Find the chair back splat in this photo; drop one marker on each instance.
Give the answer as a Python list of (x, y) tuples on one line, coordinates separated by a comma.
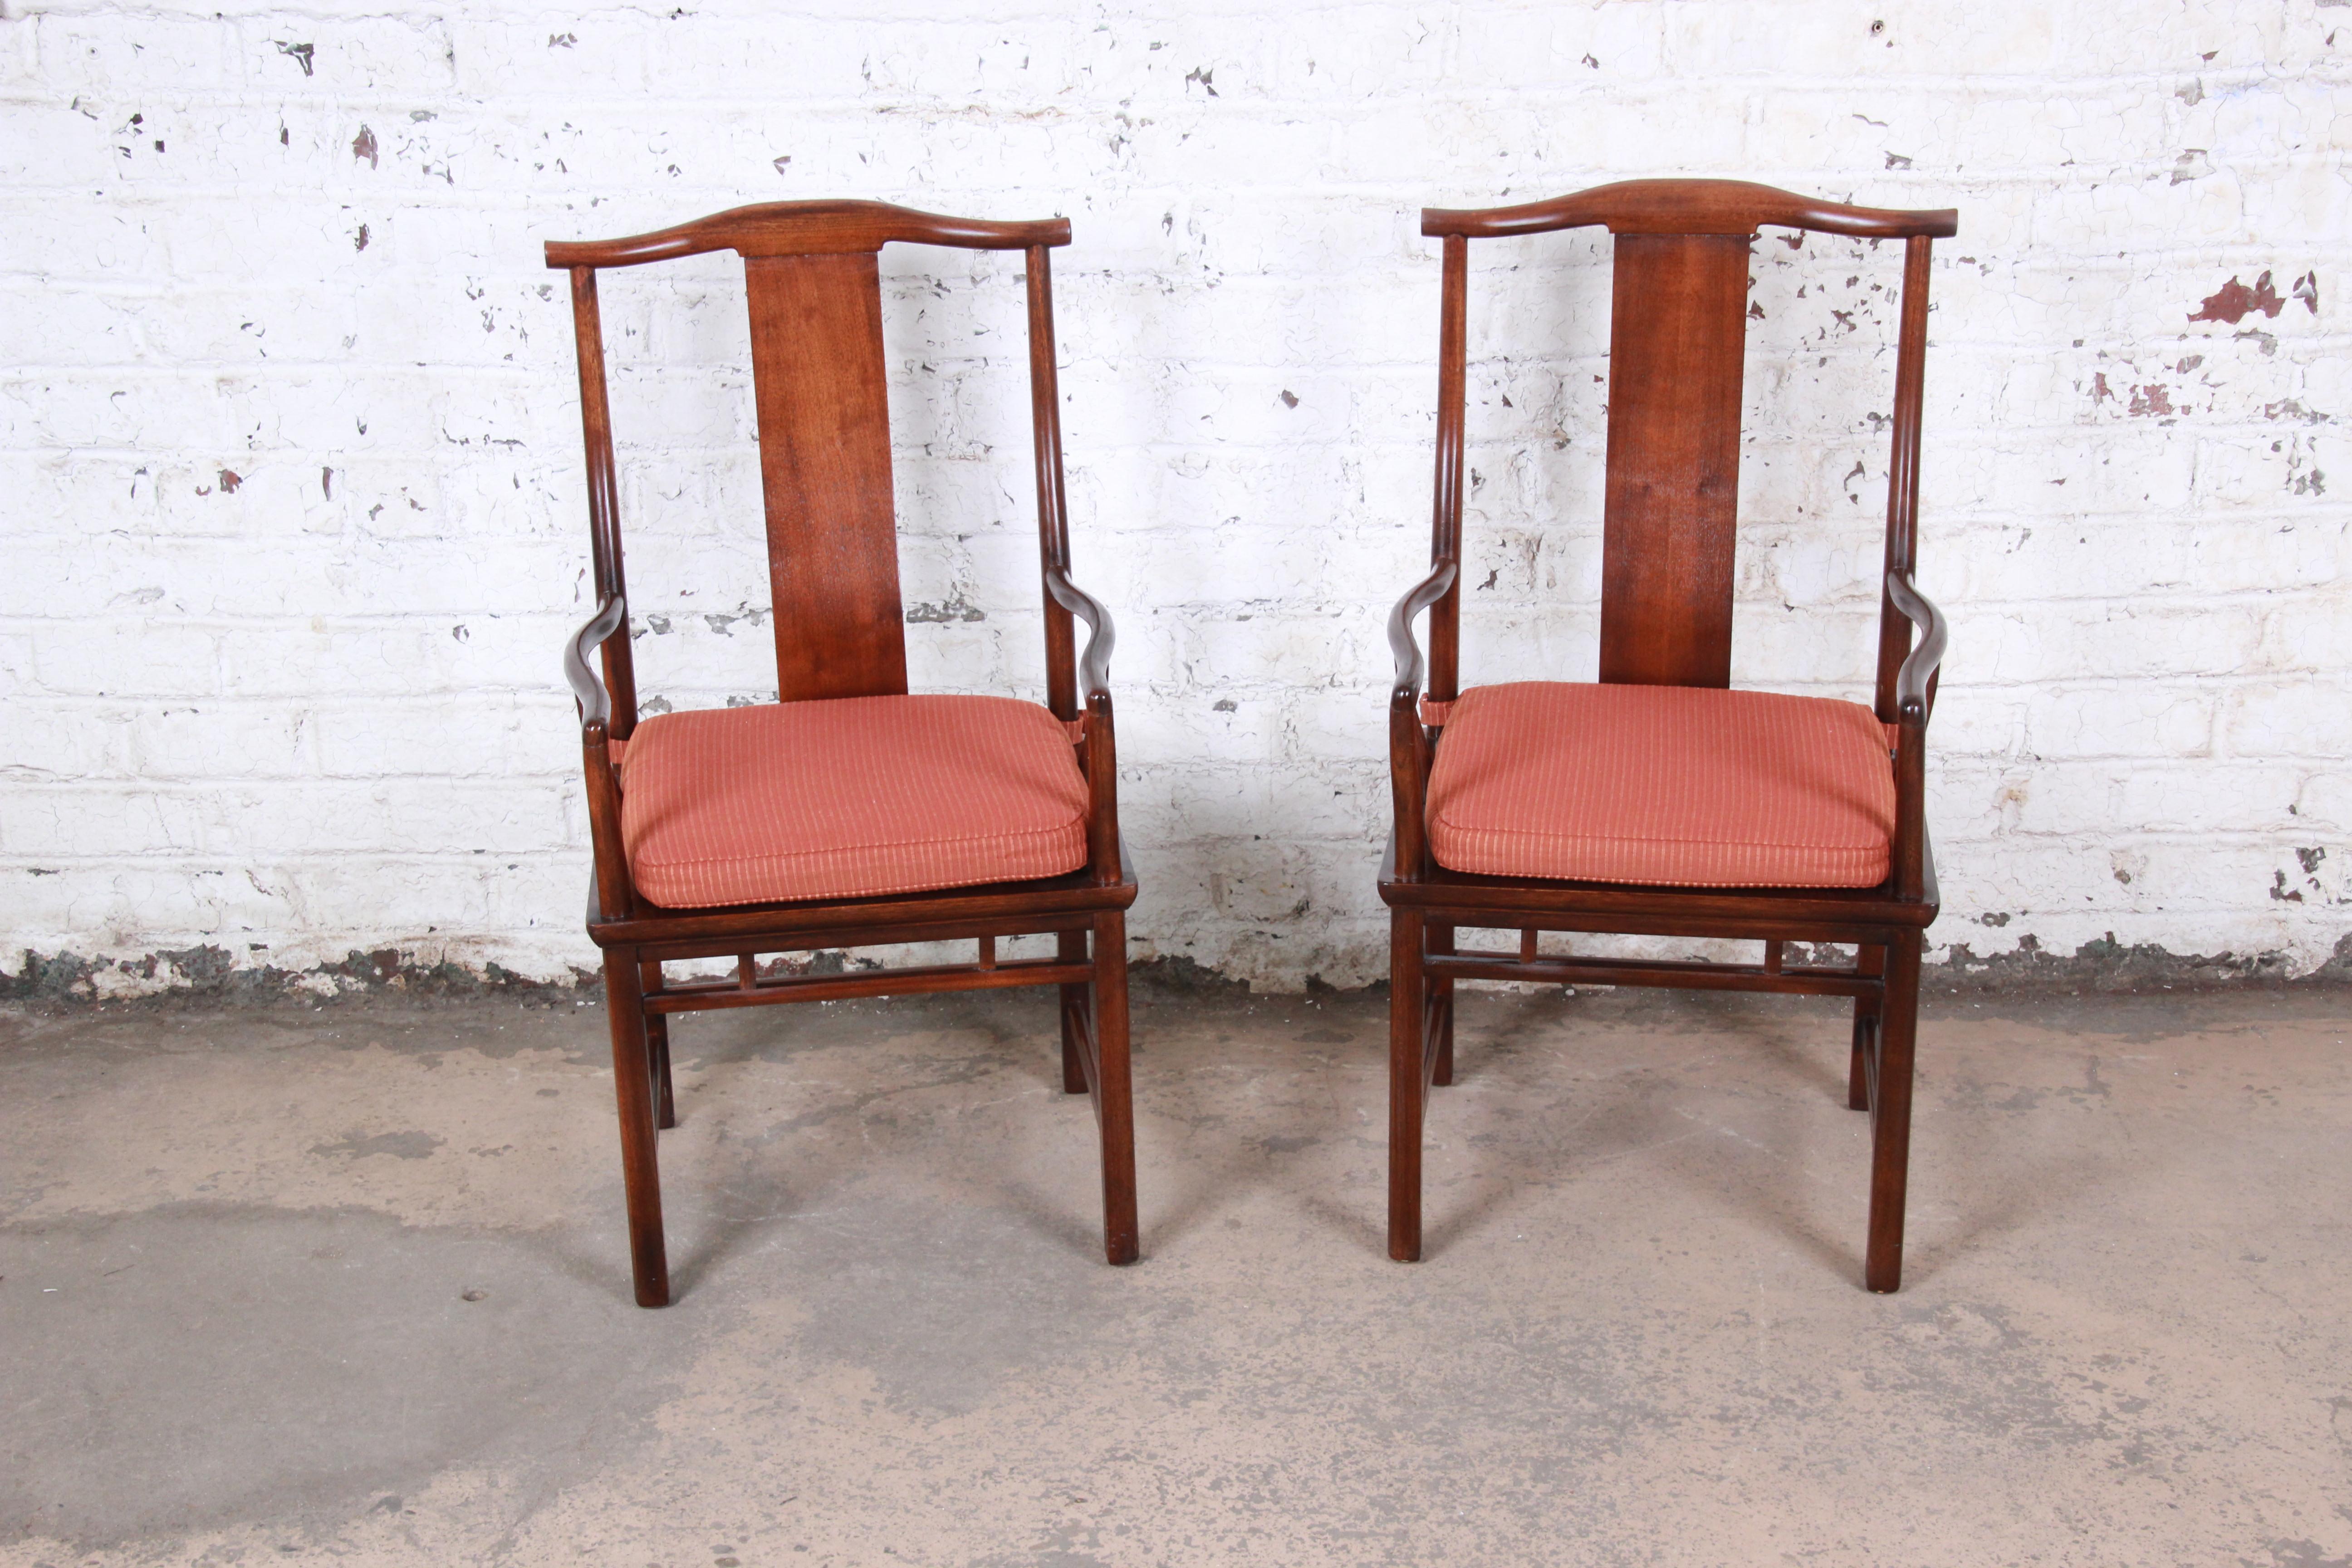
[(825, 472), (849, 813), (1677, 324), (1677, 339), (1686, 809)]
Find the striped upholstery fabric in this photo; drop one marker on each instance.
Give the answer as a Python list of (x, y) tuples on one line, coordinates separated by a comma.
[(847, 798), (1677, 786)]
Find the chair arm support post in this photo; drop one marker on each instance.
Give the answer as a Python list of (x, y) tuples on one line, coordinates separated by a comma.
[(1909, 848), (1914, 701), (1409, 746), (1102, 790), (1409, 758), (615, 893)]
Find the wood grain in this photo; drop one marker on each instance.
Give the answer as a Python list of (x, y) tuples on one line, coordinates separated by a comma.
[(1677, 334), (1677, 330), (824, 470), (818, 374)]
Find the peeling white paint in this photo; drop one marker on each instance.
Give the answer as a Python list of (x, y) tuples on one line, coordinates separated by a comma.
[(306, 718)]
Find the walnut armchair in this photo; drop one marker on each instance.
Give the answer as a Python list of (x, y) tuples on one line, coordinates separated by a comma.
[(848, 812), (1659, 801)]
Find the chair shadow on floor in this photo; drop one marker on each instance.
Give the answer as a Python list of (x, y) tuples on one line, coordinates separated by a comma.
[(1500, 1075), (730, 1197), (1809, 1049)]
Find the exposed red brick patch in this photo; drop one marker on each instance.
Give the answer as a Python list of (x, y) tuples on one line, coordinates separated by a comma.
[(2233, 301)]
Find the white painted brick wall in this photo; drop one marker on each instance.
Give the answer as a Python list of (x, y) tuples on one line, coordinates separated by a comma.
[(318, 708)]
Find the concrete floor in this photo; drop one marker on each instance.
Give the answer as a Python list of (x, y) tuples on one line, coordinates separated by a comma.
[(292, 1284)]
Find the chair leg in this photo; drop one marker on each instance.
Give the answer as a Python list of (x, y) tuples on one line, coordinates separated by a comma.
[(1890, 1154), (1866, 1012), (1441, 1005), (1407, 998), (1070, 947), (657, 1039), (632, 1086), (1114, 1092)]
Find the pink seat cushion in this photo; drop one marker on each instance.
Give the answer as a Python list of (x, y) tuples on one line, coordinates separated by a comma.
[(848, 798), (1677, 786)]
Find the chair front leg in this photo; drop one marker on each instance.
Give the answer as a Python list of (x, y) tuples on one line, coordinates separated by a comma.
[(1890, 1155), (1408, 993), (1114, 1090), (633, 1081)]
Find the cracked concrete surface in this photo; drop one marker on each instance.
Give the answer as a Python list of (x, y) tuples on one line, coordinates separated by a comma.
[(284, 1284)]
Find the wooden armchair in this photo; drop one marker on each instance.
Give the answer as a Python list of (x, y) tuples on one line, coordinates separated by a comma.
[(1660, 801), (847, 812)]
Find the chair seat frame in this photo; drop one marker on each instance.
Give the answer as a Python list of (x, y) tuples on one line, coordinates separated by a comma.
[(1644, 642), (1084, 912)]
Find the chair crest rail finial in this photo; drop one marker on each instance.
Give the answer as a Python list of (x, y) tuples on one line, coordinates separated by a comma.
[(1689, 207), (808, 228)]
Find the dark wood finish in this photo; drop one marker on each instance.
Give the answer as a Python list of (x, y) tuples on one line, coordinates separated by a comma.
[(649, 978), (1441, 1005), (1689, 207), (1677, 326), (603, 501), (633, 1090), (1446, 521), (1479, 964), (1408, 1091), (1108, 1076), (825, 469), (808, 228), (1677, 330), (1070, 947), (814, 297), (1870, 960), (700, 995)]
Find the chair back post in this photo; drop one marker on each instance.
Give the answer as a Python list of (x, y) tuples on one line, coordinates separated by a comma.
[(604, 497), (1903, 469), (1053, 503), (1445, 524)]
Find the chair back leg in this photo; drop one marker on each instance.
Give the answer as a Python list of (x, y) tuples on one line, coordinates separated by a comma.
[(1408, 1025), (1441, 1008), (1070, 947), (1114, 1090), (658, 1041), (1866, 961), (632, 1086), (1890, 1155)]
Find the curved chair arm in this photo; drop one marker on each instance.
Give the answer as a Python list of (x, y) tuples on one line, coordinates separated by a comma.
[(1914, 682), (595, 707), (1094, 664), (1424, 594), (615, 895), (1101, 753), (1409, 750)]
